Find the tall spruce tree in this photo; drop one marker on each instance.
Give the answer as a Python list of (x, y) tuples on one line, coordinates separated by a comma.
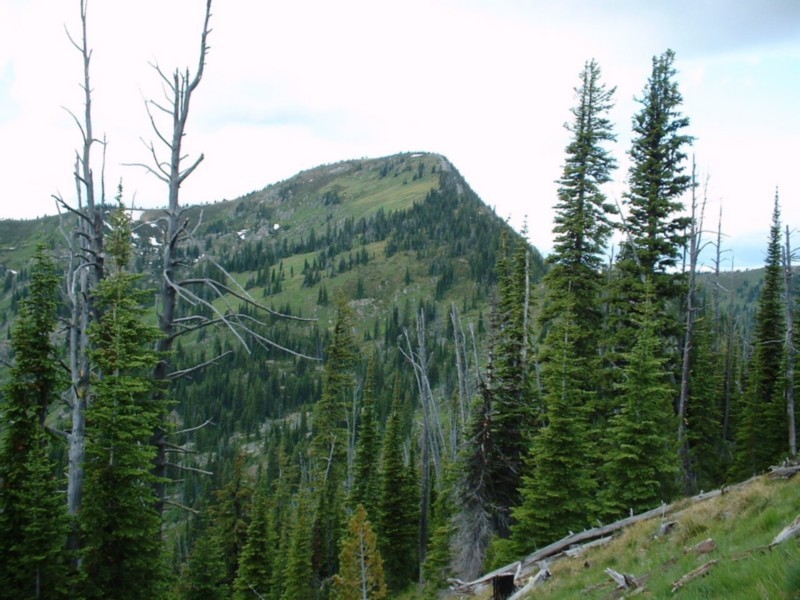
[(582, 223), (557, 494), (642, 459), (329, 445), (513, 412), (298, 575), (655, 230), (365, 476), (398, 508), (255, 576), (761, 431), (33, 523), (121, 528)]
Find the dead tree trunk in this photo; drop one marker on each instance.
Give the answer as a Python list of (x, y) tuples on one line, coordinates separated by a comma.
[(695, 237), (432, 439), (85, 271)]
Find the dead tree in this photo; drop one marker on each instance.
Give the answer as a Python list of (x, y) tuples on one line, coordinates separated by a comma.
[(432, 438), (695, 246), (174, 287), (85, 270)]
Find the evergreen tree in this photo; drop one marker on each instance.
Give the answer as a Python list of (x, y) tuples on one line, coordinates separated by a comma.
[(230, 516), (33, 523), (704, 416), (513, 414), (360, 574), (298, 576), (642, 458), (582, 224), (557, 493), (122, 536), (761, 433), (329, 445), (656, 232), (329, 441), (365, 477), (255, 574), (398, 511), (474, 491), (204, 576)]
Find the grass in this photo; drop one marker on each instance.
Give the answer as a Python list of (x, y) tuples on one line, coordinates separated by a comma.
[(741, 522)]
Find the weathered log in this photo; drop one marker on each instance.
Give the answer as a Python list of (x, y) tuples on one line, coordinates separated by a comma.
[(703, 547), (784, 471), (624, 580), (692, 575), (576, 551), (540, 577), (787, 532)]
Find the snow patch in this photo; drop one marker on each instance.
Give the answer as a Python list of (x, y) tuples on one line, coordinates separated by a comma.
[(276, 226)]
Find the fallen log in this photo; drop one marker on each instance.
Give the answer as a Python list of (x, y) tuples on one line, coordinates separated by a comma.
[(624, 580), (784, 471), (703, 547), (787, 532), (576, 551), (692, 575), (542, 576)]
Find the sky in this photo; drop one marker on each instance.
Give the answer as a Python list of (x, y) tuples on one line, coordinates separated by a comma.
[(488, 84)]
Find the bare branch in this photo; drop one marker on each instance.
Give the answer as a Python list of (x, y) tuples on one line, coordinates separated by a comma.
[(205, 423), (189, 371)]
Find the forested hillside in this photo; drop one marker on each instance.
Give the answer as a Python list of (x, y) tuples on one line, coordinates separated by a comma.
[(360, 382)]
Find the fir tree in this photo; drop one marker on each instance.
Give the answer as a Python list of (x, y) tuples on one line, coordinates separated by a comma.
[(513, 414), (704, 416), (761, 435), (360, 574), (365, 476), (557, 494), (230, 516), (329, 441), (329, 445), (582, 224), (642, 458), (33, 523), (474, 490), (255, 575), (298, 576), (657, 181), (398, 512), (204, 576), (122, 541)]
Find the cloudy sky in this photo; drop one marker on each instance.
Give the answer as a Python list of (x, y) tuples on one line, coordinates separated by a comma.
[(487, 83)]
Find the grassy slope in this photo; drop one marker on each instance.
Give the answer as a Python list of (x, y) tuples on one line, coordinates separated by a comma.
[(742, 523)]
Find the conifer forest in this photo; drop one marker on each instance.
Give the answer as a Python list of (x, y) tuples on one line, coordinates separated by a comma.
[(360, 382)]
